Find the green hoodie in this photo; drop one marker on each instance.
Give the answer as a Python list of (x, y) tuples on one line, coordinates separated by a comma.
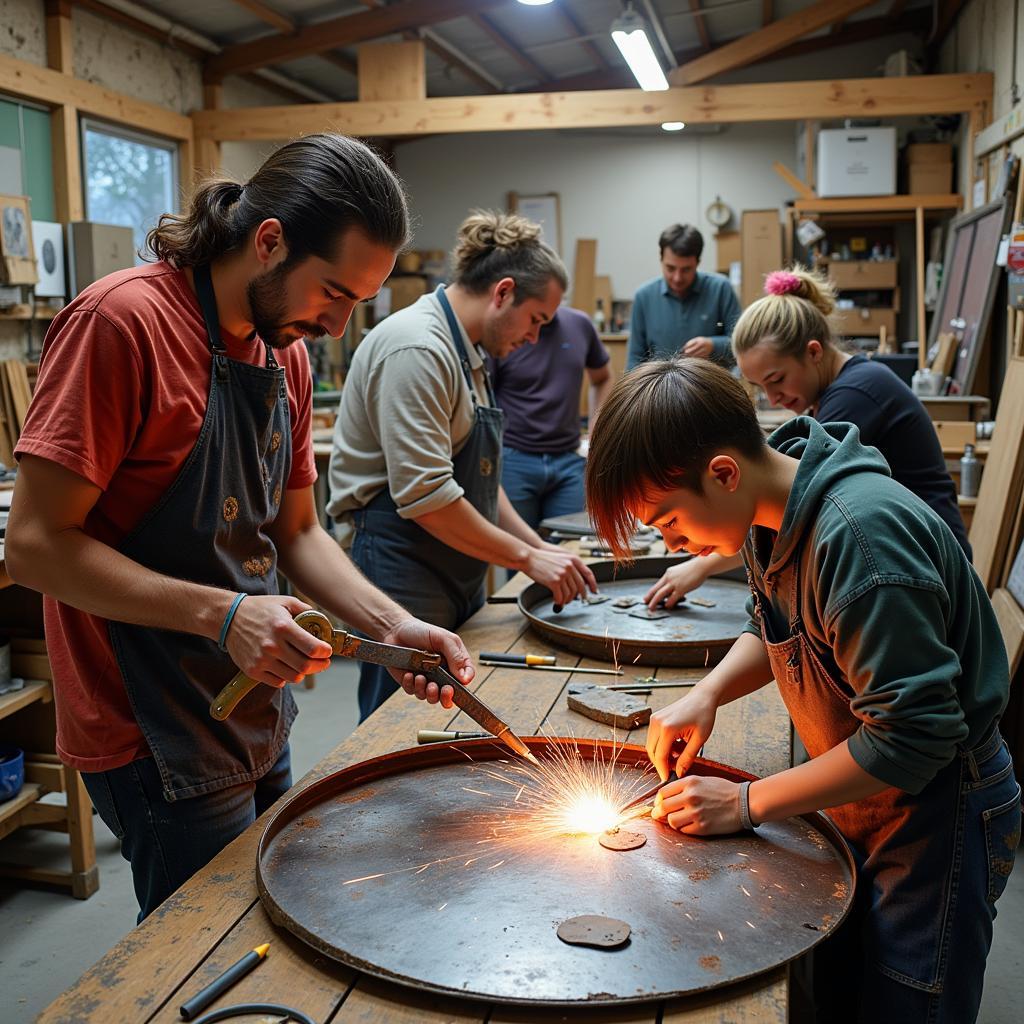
[(889, 602)]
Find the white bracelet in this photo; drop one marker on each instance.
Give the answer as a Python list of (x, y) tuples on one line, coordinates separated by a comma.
[(745, 821)]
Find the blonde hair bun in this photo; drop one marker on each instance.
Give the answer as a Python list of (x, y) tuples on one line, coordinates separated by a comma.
[(484, 230)]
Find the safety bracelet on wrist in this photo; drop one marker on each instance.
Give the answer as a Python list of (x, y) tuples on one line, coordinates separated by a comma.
[(222, 642), (745, 807)]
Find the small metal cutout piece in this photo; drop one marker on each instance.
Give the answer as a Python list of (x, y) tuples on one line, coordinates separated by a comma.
[(620, 839), (592, 930), (595, 598), (275, 440), (624, 603), (702, 602), (645, 613), (230, 511)]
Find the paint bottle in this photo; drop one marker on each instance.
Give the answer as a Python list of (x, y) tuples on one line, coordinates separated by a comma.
[(970, 473)]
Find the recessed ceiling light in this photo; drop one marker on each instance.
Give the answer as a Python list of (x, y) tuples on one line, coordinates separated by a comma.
[(673, 126)]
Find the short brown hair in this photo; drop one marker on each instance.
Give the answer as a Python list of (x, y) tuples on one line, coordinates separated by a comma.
[(682, 239), (494, 245), (657, 430)]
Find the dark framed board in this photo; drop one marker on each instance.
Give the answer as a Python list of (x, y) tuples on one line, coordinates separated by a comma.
[(969, 286)]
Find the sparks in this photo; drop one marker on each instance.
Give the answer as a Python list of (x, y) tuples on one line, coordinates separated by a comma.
[(565, 794)]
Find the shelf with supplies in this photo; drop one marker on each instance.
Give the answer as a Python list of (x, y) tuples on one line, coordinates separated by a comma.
[(27, 721), (879, 215)]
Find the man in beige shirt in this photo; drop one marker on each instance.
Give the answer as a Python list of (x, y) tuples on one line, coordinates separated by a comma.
[(416, 468)]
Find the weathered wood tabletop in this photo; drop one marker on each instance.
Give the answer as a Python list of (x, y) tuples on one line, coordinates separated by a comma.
[(216, 917)]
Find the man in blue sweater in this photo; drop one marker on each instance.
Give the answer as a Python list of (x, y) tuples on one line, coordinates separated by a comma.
[(683, 311)]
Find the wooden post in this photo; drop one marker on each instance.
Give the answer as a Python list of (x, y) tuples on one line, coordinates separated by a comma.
[(919, 260), (207, 150), (64, 138), (392, 71), (584, 281), (85, 876), (976, 121)]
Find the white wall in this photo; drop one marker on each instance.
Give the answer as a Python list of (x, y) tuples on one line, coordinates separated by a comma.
[(622, 189)]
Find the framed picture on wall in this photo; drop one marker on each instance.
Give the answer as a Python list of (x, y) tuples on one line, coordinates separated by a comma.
[(544, 210), (16, 250)]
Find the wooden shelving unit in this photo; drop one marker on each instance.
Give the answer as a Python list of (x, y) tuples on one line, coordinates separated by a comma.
[(874, 210), (44, 774)]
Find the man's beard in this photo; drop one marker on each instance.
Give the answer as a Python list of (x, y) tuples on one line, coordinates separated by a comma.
[(266, 295)]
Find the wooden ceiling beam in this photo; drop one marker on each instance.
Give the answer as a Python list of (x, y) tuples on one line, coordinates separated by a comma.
[(267, 15), (915, 21), (724, 104), (702, 29), (450, 54), (745, 50), (340, 32)]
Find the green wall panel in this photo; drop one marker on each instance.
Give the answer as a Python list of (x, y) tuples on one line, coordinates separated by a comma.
[(31, 134)]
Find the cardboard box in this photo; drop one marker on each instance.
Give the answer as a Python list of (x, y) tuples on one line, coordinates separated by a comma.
[(97, 250), (930, 179), (929, 153), (761, 251), (865, 321), (863, 275), (857, 162), (728, 250)]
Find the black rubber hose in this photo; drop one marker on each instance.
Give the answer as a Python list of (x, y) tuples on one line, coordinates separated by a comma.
[(243, 1009)]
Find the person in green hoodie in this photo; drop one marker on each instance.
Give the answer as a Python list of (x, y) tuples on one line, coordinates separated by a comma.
[(886, 652)]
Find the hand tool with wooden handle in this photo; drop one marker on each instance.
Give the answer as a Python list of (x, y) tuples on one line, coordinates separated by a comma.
[(408, 659), (518, 659)]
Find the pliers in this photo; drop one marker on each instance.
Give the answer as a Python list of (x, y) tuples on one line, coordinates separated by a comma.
[(408, 659)]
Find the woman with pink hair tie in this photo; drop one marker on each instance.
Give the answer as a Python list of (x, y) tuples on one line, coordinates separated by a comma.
[(785, 344)]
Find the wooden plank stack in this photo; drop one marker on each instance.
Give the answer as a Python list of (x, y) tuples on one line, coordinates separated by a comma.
[(15, 395)]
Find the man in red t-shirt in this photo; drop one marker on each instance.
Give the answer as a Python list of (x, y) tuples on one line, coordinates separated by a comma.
[(166, 475)]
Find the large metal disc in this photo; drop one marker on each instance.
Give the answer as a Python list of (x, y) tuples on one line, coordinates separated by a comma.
[(692, 633), (482, 921)]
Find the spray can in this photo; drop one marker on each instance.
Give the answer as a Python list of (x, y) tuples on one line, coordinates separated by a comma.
[(970, 473)]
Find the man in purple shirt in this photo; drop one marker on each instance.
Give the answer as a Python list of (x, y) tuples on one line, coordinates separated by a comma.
[(538, 386)]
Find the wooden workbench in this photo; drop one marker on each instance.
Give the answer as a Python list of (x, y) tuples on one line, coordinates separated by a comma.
[(216, 917)]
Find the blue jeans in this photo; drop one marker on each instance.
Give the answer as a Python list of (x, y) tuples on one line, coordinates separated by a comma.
[(167, 843), (913, 950), (542, 486)]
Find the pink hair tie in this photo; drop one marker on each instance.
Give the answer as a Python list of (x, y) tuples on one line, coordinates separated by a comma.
[(781, 282)]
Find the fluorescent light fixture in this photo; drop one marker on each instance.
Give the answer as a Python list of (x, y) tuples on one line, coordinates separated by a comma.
[(673, 126), (630, 36), (534, 3)]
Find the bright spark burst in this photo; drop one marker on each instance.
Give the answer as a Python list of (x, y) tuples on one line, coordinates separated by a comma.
[(565, 794)]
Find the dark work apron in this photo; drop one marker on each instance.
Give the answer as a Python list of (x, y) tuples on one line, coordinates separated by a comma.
[(210, 527), (907, 847), (430, 579)]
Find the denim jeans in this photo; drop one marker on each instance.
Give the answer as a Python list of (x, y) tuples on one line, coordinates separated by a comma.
[(167, 843), (541, 486), (913, 950)]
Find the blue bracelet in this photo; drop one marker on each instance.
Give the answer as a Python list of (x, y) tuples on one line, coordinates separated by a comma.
[(221, 643)]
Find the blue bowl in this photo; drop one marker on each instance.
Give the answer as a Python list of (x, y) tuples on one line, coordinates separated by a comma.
[(12, 771)]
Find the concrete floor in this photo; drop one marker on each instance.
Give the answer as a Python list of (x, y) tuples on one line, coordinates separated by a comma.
[(47, 939)]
